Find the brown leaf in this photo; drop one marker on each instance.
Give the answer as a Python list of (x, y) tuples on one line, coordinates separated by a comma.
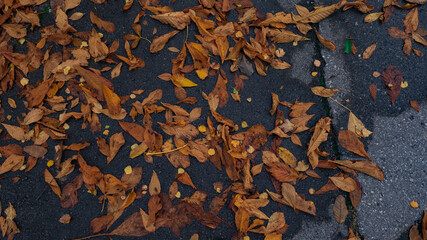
[(15, 132), (291, 198), (132, 227), (424, 225), (340, 209), (351, 142), (319, 14), (91, 174), (369, 51), (356, 126), (36, 95), (65, 219), (108, 26), (393, 79), (116, 70), (184, 178), (282, 172), (320, 135), (61, 21), (415, 105), (356, 194), (300, 108), (325, 42), (15, 30), (33, 116), (160, 42), (12, 163), (220, 91), (35, 151), (178, 20), (373, 91), (116, 142), (366, 167), (154, 188), (113, 101), (324, 92), (222, 44), (95, 82), (419, 39), (69, 192), (284, 36), (411, 21), (373, 17), (50, 180), (395, 32), (275, 104), (242, 220), (100, 223), (346, 184)]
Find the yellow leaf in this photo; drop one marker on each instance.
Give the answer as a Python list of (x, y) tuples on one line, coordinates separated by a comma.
[(356, 126), (180, 81)]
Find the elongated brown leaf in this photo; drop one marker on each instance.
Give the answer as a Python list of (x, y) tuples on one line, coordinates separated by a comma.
[(131, 227), (160, 42), (320, 135), (113, 101), (154, 187), (325, 42), (369, 51), (366, 167), (116, 142), (351, 142), (373, 91), (178, 20), (324, 92), (15, 132), (340, 209), (12, 163), (50, 180)]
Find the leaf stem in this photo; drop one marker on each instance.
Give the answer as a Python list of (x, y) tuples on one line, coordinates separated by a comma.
[(340, 104), (146, 39), (168, 151)]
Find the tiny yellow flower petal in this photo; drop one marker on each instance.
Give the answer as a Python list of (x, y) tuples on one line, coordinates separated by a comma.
[(50, 163), (128, 170), (404, 84), (181, 170), (132, 96), (314, 74), (202, 128), (134, 146), (311, 190), (178, 195), (106, 132), (244, 124), (211, 151), (414, 204), (66, 126)]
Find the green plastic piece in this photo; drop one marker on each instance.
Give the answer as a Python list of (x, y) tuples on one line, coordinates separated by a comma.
[(347, 47)]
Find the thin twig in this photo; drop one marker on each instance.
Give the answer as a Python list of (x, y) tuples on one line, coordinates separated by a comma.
[(168, 151), (340, 104), (146, 39)]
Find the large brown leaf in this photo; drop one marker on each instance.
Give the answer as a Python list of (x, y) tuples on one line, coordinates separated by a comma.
[(50, 180), (340, 209), (321, 131), (351, 142), (178, 20), (393, 79), (160, 42), (366, 167)]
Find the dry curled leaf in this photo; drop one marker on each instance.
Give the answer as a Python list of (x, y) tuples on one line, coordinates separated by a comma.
[(369, 51), (160, 42)]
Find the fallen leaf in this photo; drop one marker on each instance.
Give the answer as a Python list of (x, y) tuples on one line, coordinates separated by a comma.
[(50, 180), (15, 132), (328, 44), (320, 135), (340, 209), (345, 184), (392, 78), (415, 105), (366, 167), (373, 91), (356, 126), (65, 219), (154, 187), (160, 42), (12, 163), (116, 142), (369, 51), (349, 141), (324, 92)]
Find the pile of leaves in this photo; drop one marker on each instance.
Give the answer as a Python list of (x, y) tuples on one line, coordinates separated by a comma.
[(248, 40)]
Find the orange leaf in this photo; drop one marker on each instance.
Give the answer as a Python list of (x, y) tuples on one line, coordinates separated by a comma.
[(369, 51), (184, 178), (49, 179), (351, 142), (113, 101), (346, 184), (366, 167)]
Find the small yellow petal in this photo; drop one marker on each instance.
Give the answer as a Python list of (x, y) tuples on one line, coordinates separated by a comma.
[(244, 124), (404, 84), (132, 96), (50, 163), (311, 190), (178, 195), (106, 132), (181, 170), (66, 126), (314, 74), (414, 204), (211, 151), (134, 146), (202, 128), (128, 170)]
